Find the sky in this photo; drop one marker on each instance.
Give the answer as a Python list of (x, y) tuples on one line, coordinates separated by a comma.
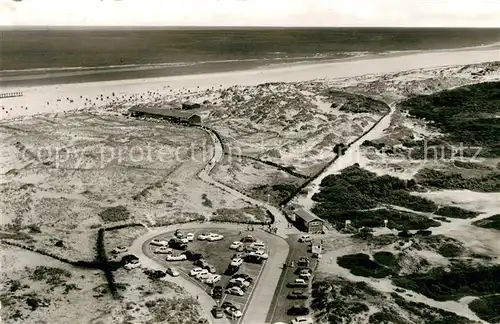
[(321, 13)]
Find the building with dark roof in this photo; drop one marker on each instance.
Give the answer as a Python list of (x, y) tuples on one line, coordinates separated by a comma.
[(173, 116), (308, 222)]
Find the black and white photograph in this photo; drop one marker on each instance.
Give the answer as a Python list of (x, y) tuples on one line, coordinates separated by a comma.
[(250, 162)]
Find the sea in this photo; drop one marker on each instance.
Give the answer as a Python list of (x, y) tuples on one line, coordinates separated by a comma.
[(50, 55)]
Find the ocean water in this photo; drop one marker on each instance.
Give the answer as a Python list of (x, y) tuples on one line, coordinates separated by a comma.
[(54, 55)]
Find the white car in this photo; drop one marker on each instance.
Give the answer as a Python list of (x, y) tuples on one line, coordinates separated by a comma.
[(203, 275), (236, 245), (236, 262), (305, 238), (176, 257), (259, 245), (215, 237), (119, 249), (300, 281), (233, 312), (235, 291), (203, 236), (213, 279), (159, 242), (240, 281), (260, 253), (163, 250), (132, 265), (302, 320), (195, 271), (172, 272), (190, 237), (305, 275), (184, 240)]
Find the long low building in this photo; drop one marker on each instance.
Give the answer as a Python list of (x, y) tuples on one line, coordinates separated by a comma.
[(174, 116), (308, 222)]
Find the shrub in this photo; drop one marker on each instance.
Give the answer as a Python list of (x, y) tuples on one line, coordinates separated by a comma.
[(490, 222), (450, 250), (361, 265), (486, 308), (115, 214)]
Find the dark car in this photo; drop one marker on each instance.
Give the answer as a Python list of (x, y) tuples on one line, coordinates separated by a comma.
[(298, 310), (405, 233), (248, 239), (218, 312), (129, 258), (176, 244), (297, 294), (155, 274), (217, 292), (227, 304), (253, 259), (192, 256), (201, 263), (244, 276), (424, 232), (302, 269), (303, 262), (231, 270)]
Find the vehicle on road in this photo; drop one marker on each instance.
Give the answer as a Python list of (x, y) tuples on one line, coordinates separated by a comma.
[(236, 245), (213, 279), (260, 253), (190, 237), (172, 271), (203, 236), (297, 294), (298, 310), (119, 249), (241, 281), (132, 264), (192, 256), (235, 291), (176, 257), (159, 242), (248, 239), (233, 312), (236, 262), (212, 237), (303, 320), (218, 312), (195, 271), (305, 238), (163, 250), (217, 292)]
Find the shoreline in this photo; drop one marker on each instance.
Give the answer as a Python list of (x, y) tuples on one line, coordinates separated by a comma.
[(76, 96)]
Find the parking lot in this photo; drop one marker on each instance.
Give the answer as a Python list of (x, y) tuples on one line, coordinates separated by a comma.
[(218, 254), (281, 303)]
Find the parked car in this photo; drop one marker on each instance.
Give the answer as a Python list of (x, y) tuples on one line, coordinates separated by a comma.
[(218, 312), (297, 294), (244, 276), (299, 282), (195, 271), (303, 320), (235, 291), (305, 238), (172, 271), (231, 270), (155, 274), (211, 268), (128, 258), (305, 275), (163, 250), (217, 292), (260, 253), (215, 237), (119, 249), (303, 262), (240, 280), (233, 312), (259, 245), (253, 259), (298, 310), (235, 245), (159, 242), (176, 257), (176, 244), (184, 240), (178, 234), (236, 262), (213, 279), (203, 236), (201, 263), (203, 275), (190, 237), (132, 265), (248, 239), (239, 255), (227, 304), (192, 256)]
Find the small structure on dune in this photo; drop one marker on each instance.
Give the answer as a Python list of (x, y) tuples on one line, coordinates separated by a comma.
[(307, 221), (173, 116)]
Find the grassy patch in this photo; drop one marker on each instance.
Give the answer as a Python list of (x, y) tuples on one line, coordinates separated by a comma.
[(466, 114), (450, 250), (486, 308), (53, 276), (361, 265), (462, 280), (455, 212), (115, 214), (386, 259), (174, 310), (490, 222), (489, 182)]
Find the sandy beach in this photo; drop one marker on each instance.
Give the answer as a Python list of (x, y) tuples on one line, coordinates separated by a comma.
[(92, 95)]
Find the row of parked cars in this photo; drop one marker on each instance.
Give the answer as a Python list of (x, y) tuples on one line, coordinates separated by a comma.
[(228, 308)]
